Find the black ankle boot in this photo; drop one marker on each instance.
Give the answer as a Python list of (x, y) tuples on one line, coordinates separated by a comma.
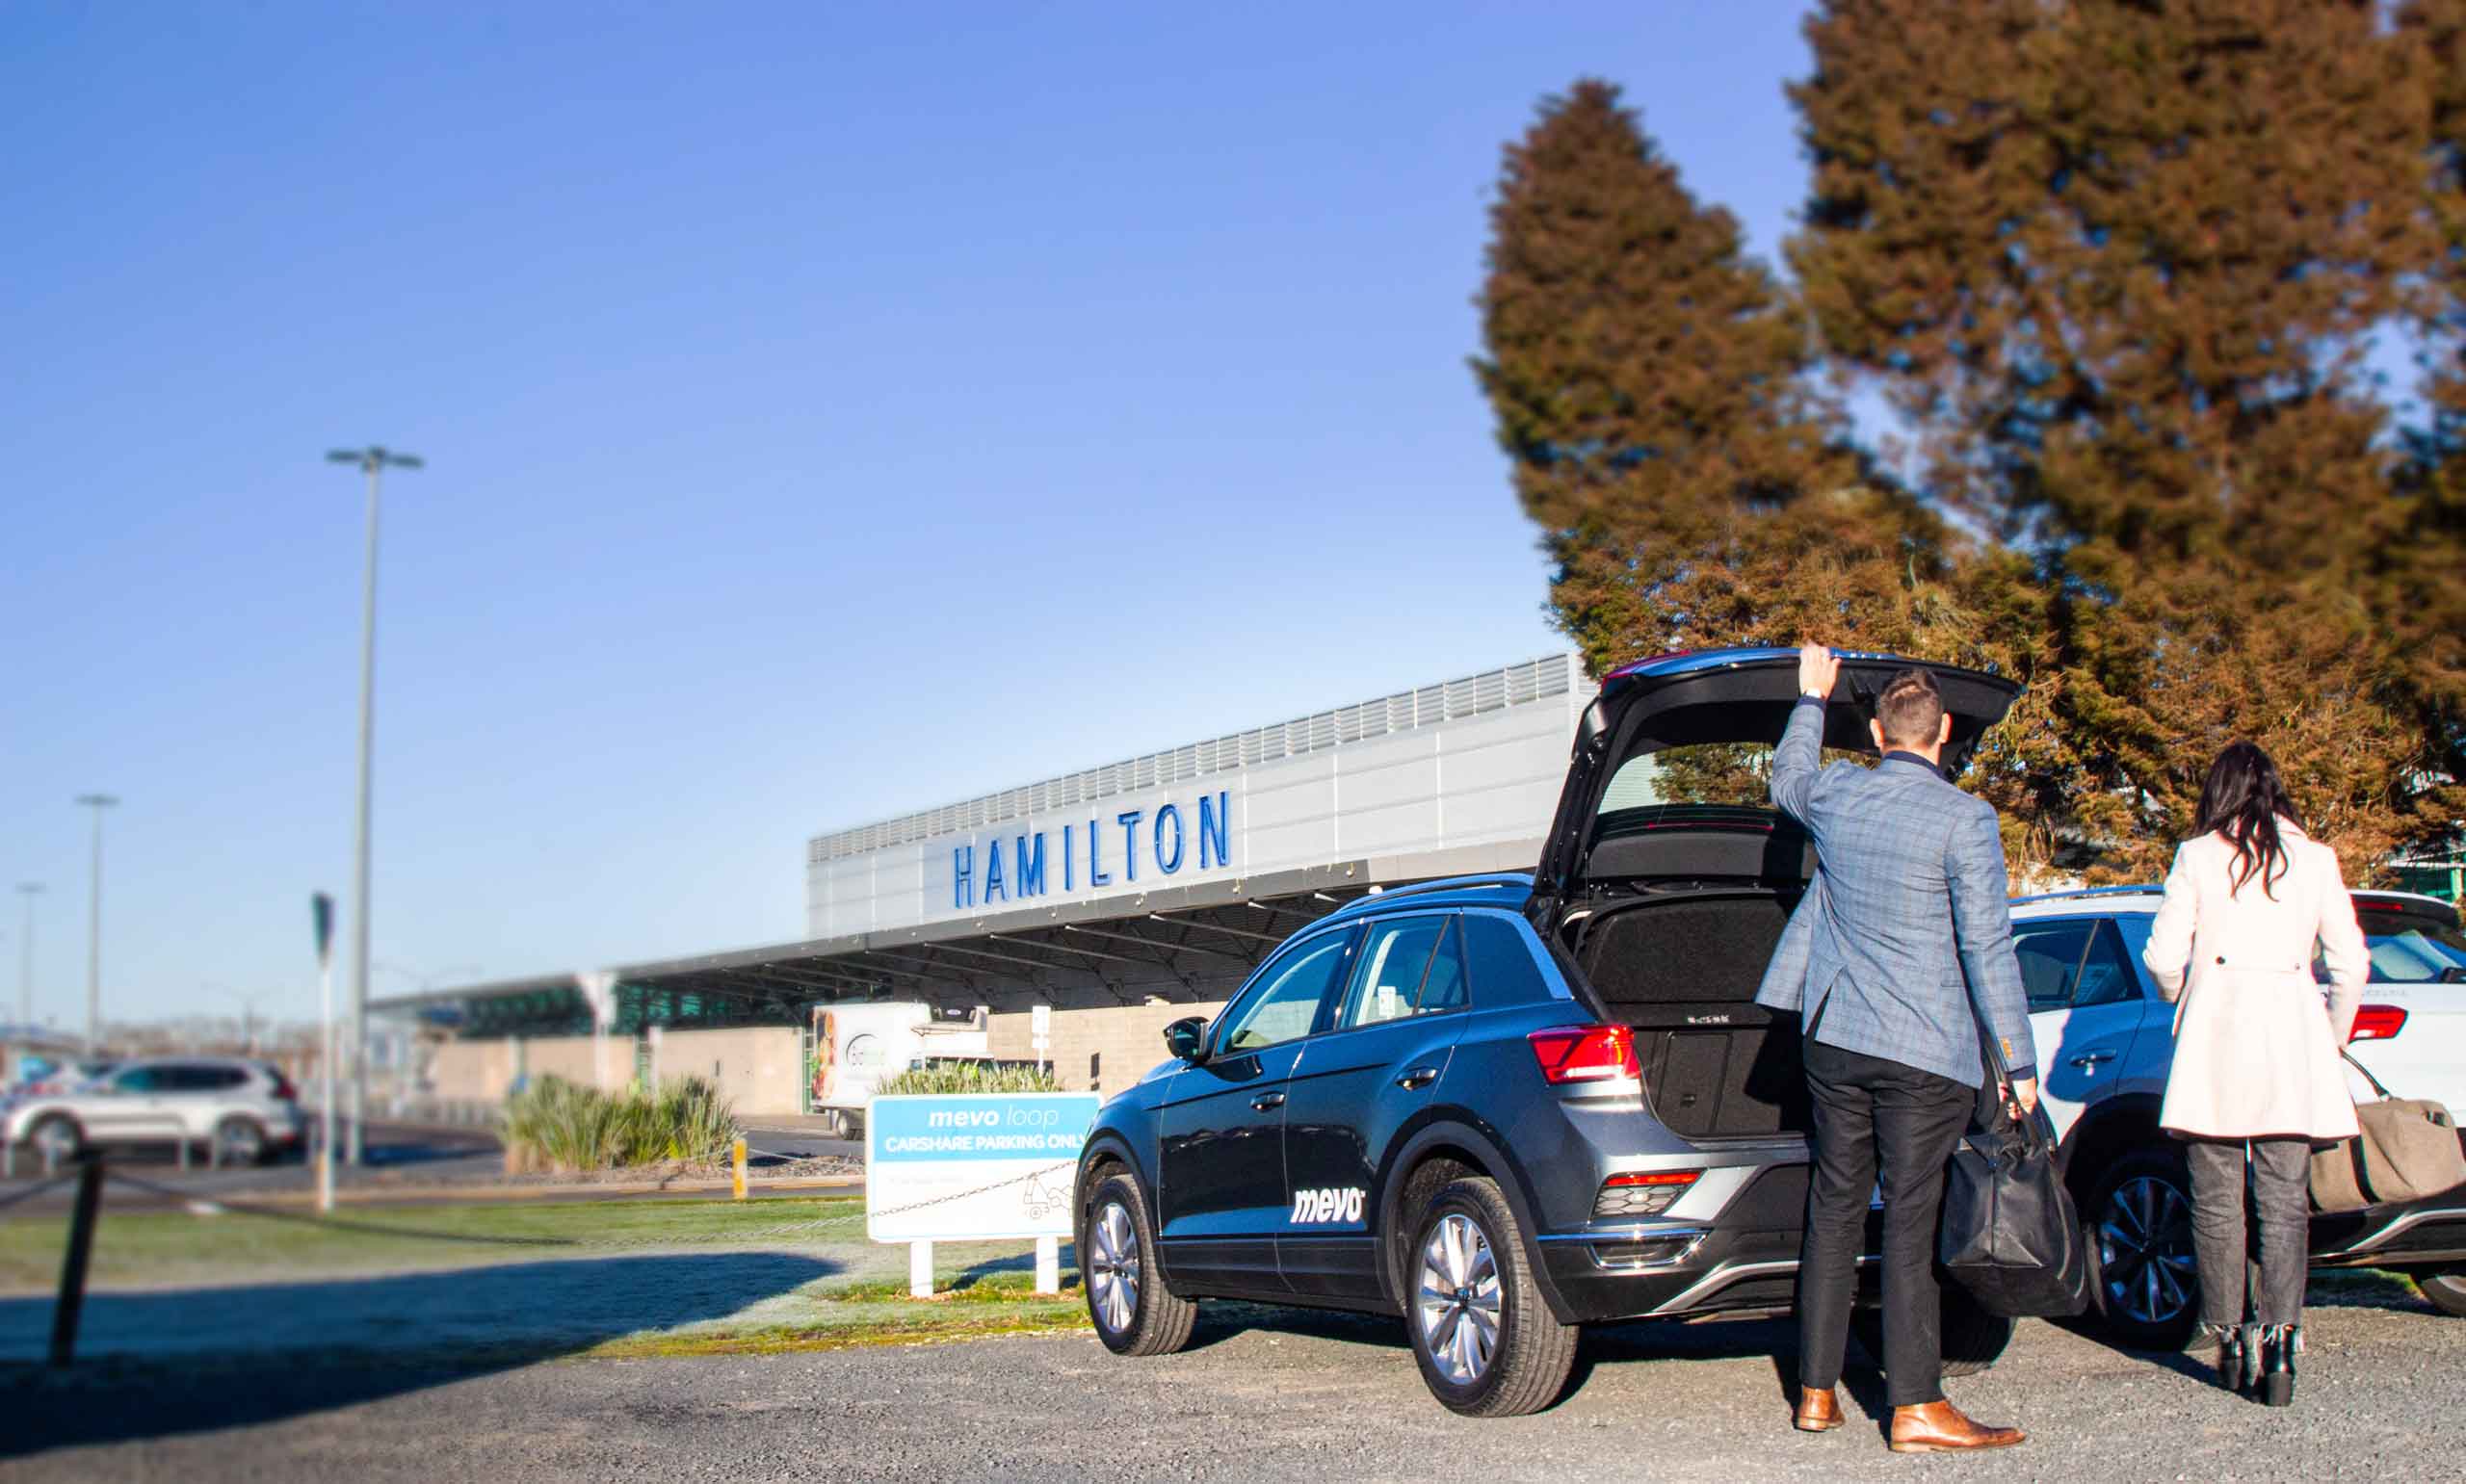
[(2249, 1342), (2230, 1357), (2279, 1345)]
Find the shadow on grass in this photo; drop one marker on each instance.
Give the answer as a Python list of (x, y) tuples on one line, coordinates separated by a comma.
[(156, 1364)]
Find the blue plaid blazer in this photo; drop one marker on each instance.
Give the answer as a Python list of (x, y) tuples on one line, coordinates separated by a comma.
[(1907, 909)]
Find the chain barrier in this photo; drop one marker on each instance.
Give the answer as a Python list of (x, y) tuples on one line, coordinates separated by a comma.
[(332, 1223), (33, 1190), (207, 1204)]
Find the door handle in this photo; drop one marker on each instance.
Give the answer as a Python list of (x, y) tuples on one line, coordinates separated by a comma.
[(1267, 1100), (1417, 1079), (2091, 1059)]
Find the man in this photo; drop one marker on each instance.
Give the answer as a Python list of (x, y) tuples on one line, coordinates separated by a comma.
[(1905, 916)]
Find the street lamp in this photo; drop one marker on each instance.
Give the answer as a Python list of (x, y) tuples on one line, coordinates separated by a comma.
[(97, 802), (29, 889), (373, 461)]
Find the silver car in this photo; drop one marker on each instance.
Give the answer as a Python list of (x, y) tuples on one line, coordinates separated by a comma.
[(243, 1112)]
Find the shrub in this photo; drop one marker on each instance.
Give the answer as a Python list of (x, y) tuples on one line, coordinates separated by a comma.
[(970, 1077), (568, 1127)]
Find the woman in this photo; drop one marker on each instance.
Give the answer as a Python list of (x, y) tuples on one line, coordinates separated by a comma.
[(2257, 1076)]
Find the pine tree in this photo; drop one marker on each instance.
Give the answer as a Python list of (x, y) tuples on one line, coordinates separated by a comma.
[(2120, 262), (1651, 386), (2420, 577)]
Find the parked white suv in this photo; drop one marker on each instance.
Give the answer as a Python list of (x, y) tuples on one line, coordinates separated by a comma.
[(2106, 1039), (243, 1112)]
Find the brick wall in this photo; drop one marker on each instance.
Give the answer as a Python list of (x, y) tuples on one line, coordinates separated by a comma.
[(761, 1069), (1096, 1049)]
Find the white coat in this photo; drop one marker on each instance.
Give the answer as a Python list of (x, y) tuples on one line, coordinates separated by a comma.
[(2256, 1051)]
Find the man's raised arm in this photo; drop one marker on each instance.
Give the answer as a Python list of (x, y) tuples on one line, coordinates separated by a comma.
[(1800, 754)]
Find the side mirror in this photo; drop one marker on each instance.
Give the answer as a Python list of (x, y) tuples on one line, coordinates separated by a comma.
[(1187, 1038)]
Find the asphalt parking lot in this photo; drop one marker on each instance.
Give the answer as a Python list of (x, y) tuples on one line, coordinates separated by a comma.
[(1263, 1395)]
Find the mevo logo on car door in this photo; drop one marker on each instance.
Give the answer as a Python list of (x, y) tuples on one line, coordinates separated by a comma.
[(1220, 1187)]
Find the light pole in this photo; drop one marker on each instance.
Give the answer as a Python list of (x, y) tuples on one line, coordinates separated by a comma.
[(373, 461), (29, 889), (97, 802)]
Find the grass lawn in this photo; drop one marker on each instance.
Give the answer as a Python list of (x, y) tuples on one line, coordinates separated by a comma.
[(531, 1280), (156, 1248)]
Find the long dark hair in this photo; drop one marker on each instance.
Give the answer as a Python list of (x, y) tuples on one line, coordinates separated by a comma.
[(2243, 800)]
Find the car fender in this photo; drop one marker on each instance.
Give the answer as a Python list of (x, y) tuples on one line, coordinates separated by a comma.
[(1462, 1129), (2105, 1129), (1105, 1143)]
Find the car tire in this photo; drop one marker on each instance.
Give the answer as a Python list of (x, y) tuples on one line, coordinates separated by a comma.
[(2144, 1281), (241, 1141), (1972, 1339), (60, 1131), (1134, 1312), (2444, 1288), (1494, 1353)]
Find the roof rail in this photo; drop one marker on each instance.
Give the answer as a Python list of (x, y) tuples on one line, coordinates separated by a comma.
[(2144, 889), (1379, 896)]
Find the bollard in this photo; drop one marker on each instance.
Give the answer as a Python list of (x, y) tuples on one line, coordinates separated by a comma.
[(72, 1266), (920, 1269), (740, 1169), (1048, 1264)]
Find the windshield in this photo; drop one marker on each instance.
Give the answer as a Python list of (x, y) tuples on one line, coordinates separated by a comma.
[(2408, 950), (2419, 954)]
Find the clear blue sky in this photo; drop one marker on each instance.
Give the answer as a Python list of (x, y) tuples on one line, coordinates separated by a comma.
[(829, 411)]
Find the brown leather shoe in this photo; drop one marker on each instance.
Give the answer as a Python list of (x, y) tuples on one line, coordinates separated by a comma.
[(1938, 1427), (1818, 1411)]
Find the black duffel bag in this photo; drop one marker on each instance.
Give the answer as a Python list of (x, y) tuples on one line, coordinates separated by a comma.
[(2009, 1235)]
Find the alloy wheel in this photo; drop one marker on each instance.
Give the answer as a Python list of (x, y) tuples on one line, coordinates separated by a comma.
[(1113, 1267), (56, 1140), (1458, 1307), (2145, 1251), (241, 1141)]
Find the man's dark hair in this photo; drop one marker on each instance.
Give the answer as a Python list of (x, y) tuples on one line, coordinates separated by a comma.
[(1911, 709)]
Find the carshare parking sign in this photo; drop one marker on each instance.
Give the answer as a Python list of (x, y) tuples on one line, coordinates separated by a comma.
[(953, 1167)]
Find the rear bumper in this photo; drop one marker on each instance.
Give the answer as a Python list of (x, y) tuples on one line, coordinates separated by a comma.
[(1744, 1256), (2417, 1234)]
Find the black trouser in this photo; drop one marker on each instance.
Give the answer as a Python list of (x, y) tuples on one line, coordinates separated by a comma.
[(2282, 1193), (1877, 1121)]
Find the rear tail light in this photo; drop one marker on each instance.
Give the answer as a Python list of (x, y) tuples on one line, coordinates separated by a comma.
[(2378, 1022), (284, 1091), (1585, 1054), (1643, 1192)]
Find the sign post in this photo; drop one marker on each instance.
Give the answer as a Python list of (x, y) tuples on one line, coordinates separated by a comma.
[(321, 913), (974, 1167), (1040, 1033)]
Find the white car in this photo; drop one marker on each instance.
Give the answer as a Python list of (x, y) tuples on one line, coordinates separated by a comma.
[(2106, 1039), (245, 1112)]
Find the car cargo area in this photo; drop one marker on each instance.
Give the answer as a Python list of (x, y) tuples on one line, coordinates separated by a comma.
[(1683, 969)]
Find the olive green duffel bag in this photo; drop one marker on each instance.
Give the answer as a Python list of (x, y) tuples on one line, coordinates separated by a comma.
[(2408, 1149)]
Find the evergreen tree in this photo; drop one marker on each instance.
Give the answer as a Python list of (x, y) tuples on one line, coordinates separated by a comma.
[(2120, 262), (2421, 576), (1651, 387)]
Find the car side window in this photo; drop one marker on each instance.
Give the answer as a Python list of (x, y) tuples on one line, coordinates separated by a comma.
[(1285, 1003), (1443, 987), (139, 1080), (2050, 954), (2106, 971), (1392, 971), (1499, 964)]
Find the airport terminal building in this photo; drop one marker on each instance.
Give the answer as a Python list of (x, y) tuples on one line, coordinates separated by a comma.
[(1119, 898)]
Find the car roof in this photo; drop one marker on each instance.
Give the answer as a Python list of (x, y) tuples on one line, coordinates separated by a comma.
[(1498, 889), (2118, 897)]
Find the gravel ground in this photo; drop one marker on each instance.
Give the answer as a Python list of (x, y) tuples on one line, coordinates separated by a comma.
[(1264, 1395)]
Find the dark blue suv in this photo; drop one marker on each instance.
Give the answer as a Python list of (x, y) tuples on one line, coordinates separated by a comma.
[(1504, 1107)]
